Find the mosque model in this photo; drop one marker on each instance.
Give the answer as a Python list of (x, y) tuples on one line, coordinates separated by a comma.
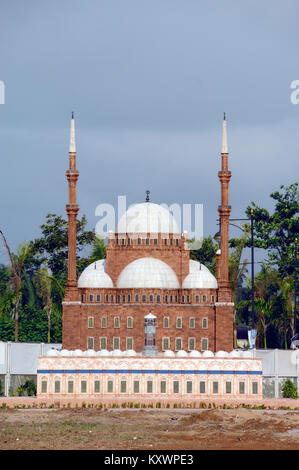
[(148, 319)]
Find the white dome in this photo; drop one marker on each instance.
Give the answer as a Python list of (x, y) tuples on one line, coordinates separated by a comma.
[(130, 352), (116, 352), (147, 218), (194, 353), (221, 354), (77, 352), (95, 276), (199, 277), (168, 353), (181, 353), (103, 352), (207, 354), (148, 272)]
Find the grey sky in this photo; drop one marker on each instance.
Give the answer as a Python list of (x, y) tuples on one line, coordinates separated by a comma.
[(148, 81)]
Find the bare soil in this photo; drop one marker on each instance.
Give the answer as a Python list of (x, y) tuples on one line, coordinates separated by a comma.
[(148, 429)]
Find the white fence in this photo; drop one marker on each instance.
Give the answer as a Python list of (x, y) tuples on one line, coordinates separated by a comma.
[(19, 361)]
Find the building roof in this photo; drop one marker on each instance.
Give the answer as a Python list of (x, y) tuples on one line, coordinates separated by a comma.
[(148, 273), (147, 217)]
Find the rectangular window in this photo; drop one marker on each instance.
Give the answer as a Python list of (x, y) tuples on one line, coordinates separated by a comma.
[(205, 323), (254, 388), (116, 322), (129, 241), (111, 299), (158, 298), (228, 387), (212, 299), (90, 322), (98, 298), (136, 298), (166, 298), (155, 241), (90, 342), (197, 298), (147, 241), (204, 344), (166, 322), (191, 344), (82, 298), (179, 322), (123, 386), (136, 386), (241, 387), (177, 242), (110, 386), (189, 386), (70, 386), (116, 343), (83, 386), (149, 386), (124, 299), (215, 387), (44, 386), (103, 342), (91, 298), (129, 342), (202, 387), (183, 299), (96, 386), (144, 298), (104, 322), (122, 241), (57, 386), (171, 241), (130, 322), (106, 298), (118, 299), (165, 344), (129, 298), (163, 386), (204, 298), (178, 344), (165, 241), (188, 299), (176, 386), (192, 322)]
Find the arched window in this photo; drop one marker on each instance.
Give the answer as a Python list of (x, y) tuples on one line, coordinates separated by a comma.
[(130, 322), (151, 298), (205, 323), (116, 322)]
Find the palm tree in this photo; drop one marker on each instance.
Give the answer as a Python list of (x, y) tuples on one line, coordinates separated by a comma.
[(44, 288), (17, 262)]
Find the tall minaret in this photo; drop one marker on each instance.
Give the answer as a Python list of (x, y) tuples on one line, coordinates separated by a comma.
[(224, 293), (72, 209)]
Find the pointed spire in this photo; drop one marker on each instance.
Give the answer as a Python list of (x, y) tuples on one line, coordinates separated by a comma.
[(224, 148), (72, 135)]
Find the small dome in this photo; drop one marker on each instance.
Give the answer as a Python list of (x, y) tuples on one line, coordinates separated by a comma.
[(168, 353), (95, 276), (194, 353), (116, 352), (130, 352), (103, 352), (181, 353), (148, 272), (207, 354), (221, 354), (90, 352), (147, 218), (65, 352), (78, 352), (199, 277)]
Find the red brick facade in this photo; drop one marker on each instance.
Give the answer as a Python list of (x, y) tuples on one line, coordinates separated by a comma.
[(197, 318)]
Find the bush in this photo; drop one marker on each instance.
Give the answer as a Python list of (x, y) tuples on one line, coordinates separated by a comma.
[(289, 390), (28, 388)]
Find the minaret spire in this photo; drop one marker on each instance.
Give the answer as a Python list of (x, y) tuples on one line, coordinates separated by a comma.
[(224, 136), (72, 209), (224, 212), (72, 135)]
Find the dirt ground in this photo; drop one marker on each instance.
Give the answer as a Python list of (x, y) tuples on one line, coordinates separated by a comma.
[(147, 429)]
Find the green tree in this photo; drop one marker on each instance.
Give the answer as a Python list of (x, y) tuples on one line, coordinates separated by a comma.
[(206, 254), (276, 232), (17, 262)]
